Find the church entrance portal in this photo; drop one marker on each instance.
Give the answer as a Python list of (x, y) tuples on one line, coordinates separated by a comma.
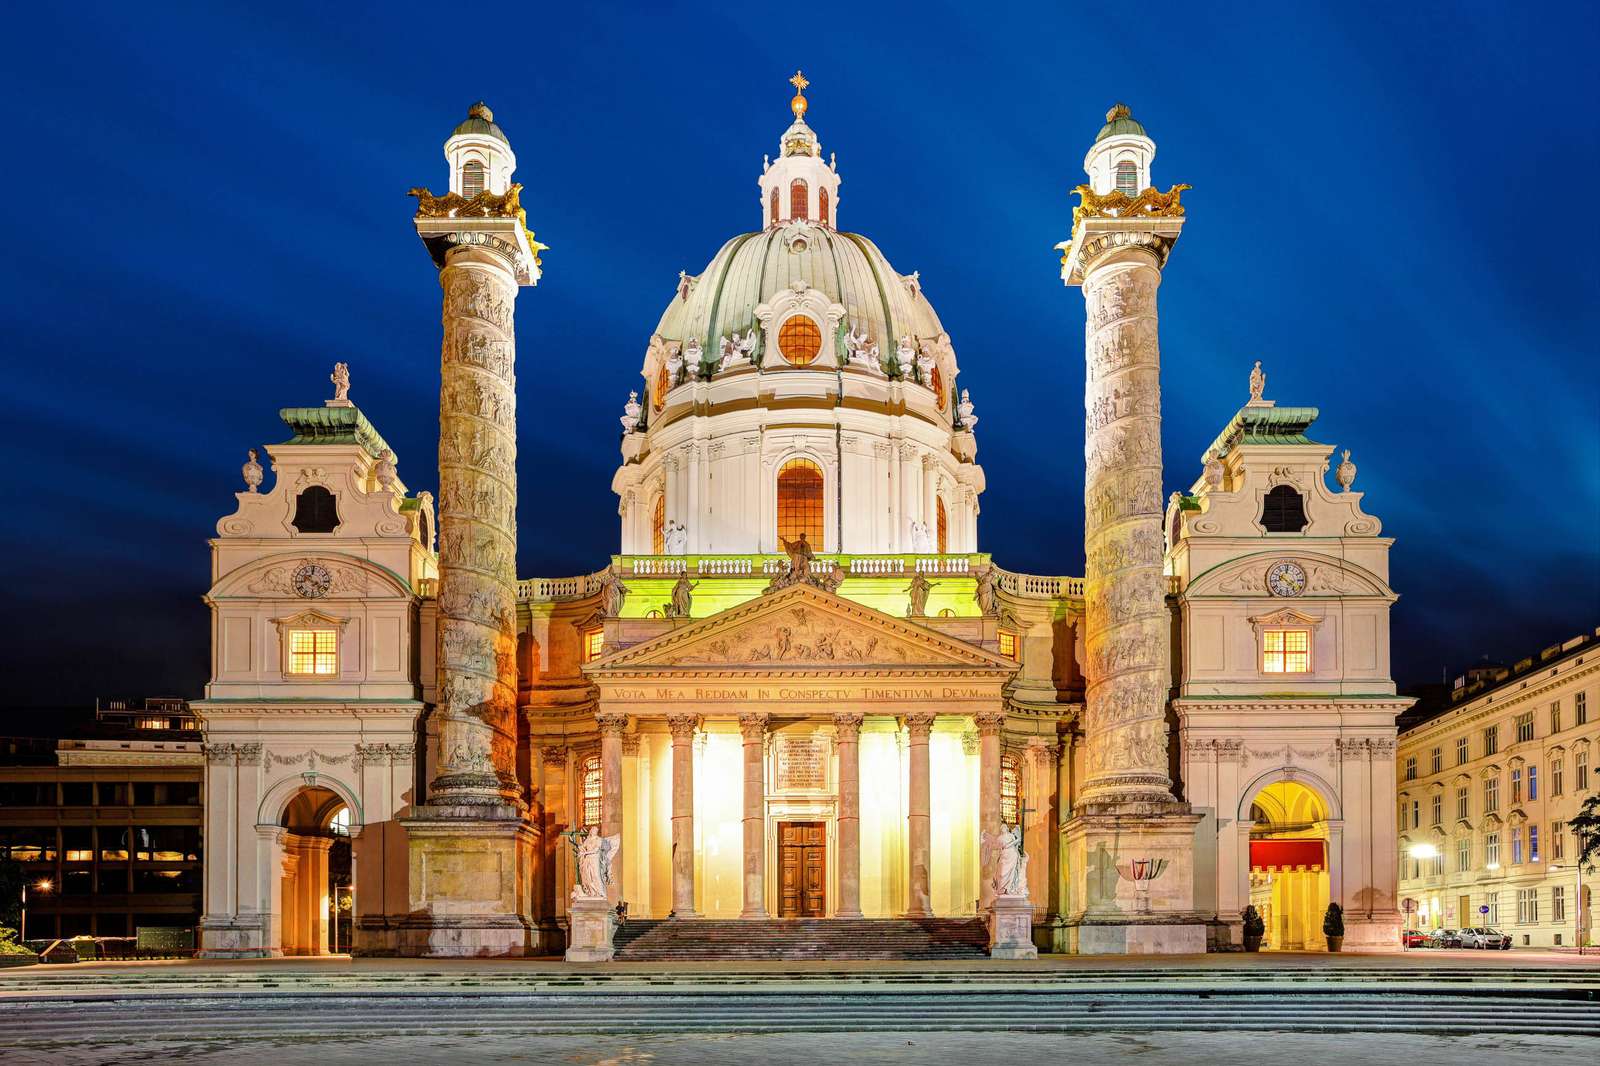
[(802, 870)]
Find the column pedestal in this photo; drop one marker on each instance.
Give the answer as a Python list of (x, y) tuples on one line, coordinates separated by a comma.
[(1011, 928), (594, 922), (1105, 914), (471, 881)]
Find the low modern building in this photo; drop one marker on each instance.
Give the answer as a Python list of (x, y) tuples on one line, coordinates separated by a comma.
[(106, 822), (1490, 776)]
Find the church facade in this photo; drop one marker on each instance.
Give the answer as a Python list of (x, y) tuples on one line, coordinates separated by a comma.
[(800, 688)]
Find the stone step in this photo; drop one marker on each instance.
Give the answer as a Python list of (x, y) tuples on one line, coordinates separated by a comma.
[(802, 939)]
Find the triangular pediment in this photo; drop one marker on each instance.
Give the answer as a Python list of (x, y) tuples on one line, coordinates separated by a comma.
[(802, 628)]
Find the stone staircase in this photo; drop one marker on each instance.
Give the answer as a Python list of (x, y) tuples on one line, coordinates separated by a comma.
[(802, 939)]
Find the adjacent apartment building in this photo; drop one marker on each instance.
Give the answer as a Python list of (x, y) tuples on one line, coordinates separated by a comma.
[(1489, 777)]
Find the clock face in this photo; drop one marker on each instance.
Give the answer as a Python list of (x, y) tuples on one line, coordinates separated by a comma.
[(1286, 579), (311, 581)]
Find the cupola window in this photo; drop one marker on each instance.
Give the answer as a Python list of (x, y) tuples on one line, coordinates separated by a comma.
[(800, 502), (799, 339), (1128, 178), (472, 179), (658, 527), (316, 511), (774, 206), (1283, 511), (660, 387), (798, 208), (942, 526), (822, 206), (936, 382)]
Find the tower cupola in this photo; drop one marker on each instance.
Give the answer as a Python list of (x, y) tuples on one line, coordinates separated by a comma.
[(480, 156), (798, 186), (1119, 160)]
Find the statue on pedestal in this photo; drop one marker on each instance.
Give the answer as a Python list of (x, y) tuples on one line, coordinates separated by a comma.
[(595, 854), (1011, 869), (674, 538), (341, 383), (918, 589), (681, 596)]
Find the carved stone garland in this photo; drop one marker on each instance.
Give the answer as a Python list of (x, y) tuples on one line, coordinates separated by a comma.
[(1124, 590), (477, 535)]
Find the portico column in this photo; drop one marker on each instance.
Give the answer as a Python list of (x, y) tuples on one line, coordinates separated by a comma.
[(683, 727), (917, 821), (989, 725), (848, 736), (754, 729), (611, 729)]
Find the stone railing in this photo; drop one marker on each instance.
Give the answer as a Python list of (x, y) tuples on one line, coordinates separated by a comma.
[(1038, 587), (548, 589), (767, 565)]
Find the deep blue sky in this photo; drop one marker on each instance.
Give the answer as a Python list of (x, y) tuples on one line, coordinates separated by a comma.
[(1392, 208)]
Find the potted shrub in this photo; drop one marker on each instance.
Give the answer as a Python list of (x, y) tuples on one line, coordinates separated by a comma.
[(1254, 929), (1333, 926)]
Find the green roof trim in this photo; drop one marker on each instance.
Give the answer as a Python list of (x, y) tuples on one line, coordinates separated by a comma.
[(1188, 503), (1264, 425), (332, 425)]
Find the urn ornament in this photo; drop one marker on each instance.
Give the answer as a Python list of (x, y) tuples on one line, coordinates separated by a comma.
[(1346, 474), (252, 473), (385, 470)]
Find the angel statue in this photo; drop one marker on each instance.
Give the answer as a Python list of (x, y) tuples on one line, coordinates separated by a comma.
[(918, 589), (595, 855), (920, 540), (341, 382), (1011, 870), (800, 556), (681, 595), (674, 538)]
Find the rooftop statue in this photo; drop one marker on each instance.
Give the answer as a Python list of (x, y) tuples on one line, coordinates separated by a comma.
[(1258, 383), (919, 589), (682, 597), (341, 383)]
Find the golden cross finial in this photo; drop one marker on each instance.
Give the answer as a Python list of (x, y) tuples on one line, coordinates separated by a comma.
[(798, 104)]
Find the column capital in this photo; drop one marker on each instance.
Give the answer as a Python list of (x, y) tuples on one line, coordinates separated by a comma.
[(683, 727), (848, 724), (754, 726), (989, 723), (919, 724), (553, 755), (611, 724)]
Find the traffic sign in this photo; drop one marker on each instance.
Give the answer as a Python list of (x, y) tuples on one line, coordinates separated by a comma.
[(1484, 909)]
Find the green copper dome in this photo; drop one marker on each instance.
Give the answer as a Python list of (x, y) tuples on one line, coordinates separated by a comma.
[(1120, 122), (480, 120)]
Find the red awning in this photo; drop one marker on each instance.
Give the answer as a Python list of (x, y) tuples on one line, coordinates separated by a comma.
[(1286, 854)]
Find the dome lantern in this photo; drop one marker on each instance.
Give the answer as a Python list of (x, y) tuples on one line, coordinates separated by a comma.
[(798, 186), (1119, 160), (480, 156)]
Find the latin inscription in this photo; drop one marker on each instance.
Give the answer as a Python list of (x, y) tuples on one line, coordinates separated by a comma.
[(800, 695)]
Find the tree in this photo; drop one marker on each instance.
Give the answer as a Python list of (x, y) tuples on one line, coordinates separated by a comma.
[(11, 878), (1586, 824)]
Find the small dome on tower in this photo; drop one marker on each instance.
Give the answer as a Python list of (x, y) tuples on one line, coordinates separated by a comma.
[(1120, 121), (480, 120)]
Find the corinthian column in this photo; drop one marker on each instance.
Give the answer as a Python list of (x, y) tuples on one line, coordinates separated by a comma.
[(989, 725), (848, 736), (683, 728), (754, 729), (918, 816), (612, 726)]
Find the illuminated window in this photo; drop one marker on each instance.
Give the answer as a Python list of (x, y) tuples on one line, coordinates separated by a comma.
[(799, 340), (774, 206), (1286, 651), (941, 526), (800, 501), (1128, 178), (660, 388), (822, 206), (316, 511), (1283, 511), (1008, 644), (339, 824), (1491, 795), (658, 526), (1010, 789), (1556, 776), (593, 641), (472, 179), (936, 383), (589, 791), (797, 200), (314, 652)]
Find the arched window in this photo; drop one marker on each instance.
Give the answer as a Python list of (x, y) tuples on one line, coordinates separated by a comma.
[(774, 205), (658, 526), (472, 179), (589, 791), (424, 532), (316, 511), (1128, 178), (941, 526), (1283, 511), (1010, 789), (800, 502), (822, 206), (660, 388), (799, 339), (936, 383), (798, 207)]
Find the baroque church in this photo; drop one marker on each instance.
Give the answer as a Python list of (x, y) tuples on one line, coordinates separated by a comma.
[(799, 689)]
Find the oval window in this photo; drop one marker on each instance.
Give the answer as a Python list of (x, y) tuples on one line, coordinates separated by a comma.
[(799, 340)]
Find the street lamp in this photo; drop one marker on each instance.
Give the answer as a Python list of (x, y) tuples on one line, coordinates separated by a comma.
[(43, 885)]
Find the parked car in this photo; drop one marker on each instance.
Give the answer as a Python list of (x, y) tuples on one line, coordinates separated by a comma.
[(1482, 937), (1445, 938), (1414, 938)]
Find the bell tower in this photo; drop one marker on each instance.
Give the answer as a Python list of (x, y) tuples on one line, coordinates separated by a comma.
[(472, 844)]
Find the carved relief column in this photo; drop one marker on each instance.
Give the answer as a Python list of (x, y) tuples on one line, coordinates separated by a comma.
[(754, 729), (848, 737), (612, 727), (989, 725), (919, 896), (683, 728)]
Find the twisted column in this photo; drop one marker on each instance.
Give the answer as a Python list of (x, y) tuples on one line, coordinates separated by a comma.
[(919, 898), (847, 735), (754, 729), (477, 534), (1124, 586), (683, 728)]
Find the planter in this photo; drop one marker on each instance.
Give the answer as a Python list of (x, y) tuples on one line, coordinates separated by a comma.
[(1335, 943), (1252, 943)]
